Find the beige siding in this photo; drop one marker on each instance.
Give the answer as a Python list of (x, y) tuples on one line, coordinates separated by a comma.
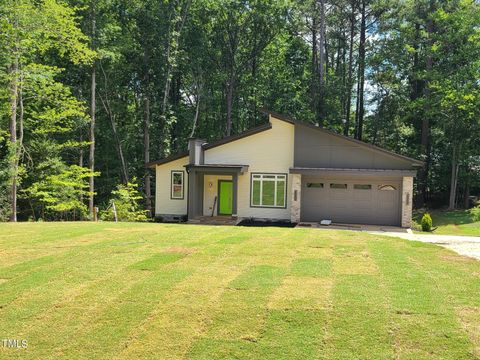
[(163, 203), (269, 151), (210, 191)]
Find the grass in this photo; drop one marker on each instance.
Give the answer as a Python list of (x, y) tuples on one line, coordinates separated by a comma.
[(149, 291), (457, 222)]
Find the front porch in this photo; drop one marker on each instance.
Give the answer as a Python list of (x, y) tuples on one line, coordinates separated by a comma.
[(213, 193)]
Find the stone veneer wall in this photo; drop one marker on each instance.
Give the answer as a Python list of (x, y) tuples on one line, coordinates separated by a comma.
[(296, 198), (407, 193)]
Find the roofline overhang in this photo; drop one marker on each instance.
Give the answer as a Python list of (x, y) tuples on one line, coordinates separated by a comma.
[(218, 168), (167, 159), (353, 172)]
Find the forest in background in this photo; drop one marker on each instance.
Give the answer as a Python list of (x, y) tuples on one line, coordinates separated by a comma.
[(91, 90)]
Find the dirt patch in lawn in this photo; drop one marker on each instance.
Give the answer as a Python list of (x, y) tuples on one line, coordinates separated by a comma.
[(181, 250), (301, 292), (354, 263)]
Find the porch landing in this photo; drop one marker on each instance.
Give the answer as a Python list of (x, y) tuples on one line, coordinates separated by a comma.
[(215, 220)]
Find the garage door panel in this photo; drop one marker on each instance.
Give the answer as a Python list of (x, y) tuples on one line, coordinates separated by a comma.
[(361, 202), (362, 195)]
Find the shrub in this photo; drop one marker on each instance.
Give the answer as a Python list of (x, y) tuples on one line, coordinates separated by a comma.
[(426, 222), (126, 199), (475, 213), (416, 226)]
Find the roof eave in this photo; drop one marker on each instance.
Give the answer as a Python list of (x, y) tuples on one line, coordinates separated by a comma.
[(167, 159)]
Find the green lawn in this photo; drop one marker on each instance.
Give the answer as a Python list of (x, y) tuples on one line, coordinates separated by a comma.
[(140, 291), (456, 222)]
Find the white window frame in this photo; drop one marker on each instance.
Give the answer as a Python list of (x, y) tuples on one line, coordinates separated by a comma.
[(277, 178), (172, 196)]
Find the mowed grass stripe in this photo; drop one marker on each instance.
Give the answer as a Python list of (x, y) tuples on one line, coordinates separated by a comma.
[(41, 240), (424, 320), (243, 306), (187, 310), (255, 314), (115, 295), (357, 323), (45, 297), (288, 334), (81, 264), (122, 314)]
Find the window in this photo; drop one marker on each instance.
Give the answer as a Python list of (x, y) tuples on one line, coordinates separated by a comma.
[(362, 187), (386, 187), (315, 185), (269, 190), (338, 186), (177, 185)]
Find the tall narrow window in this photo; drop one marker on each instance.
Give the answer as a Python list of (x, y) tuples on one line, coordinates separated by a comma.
[(177, 185), (268, 190)]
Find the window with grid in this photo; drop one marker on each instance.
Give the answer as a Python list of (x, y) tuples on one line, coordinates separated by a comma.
[(268, 190)]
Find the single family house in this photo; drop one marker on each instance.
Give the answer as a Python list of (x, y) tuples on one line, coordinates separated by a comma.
[(287, 170)]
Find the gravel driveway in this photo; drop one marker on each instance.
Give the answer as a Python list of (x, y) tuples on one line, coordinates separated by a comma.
[(463, 245)]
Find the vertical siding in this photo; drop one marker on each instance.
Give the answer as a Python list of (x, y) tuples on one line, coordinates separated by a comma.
[(269, 151), (163, 203), (314, 148)]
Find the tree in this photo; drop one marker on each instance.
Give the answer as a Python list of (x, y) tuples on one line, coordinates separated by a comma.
[(32, 29)]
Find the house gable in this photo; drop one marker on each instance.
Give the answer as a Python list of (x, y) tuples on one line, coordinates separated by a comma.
[(321, 149)]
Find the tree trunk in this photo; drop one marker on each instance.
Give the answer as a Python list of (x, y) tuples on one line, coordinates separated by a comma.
[(350, 71), (80, 163), (230, 92), (425, 137), (314, 86), (343, 73), (93, 110), (454, 178), (197, 111), (13, 137), (118, 144), (321, 65), (91, 155), (119, 148), (146, 148), (361, 75), (172, 51), (466, 194)]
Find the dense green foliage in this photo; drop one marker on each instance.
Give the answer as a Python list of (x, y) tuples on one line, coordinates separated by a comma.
[(402, 75), (427, 222), (125, 204), (475, 213)]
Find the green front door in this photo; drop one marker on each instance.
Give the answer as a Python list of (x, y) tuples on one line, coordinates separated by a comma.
[(225, 197)]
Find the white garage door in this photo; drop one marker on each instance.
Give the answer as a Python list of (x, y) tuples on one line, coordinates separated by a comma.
[(351, 201)]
